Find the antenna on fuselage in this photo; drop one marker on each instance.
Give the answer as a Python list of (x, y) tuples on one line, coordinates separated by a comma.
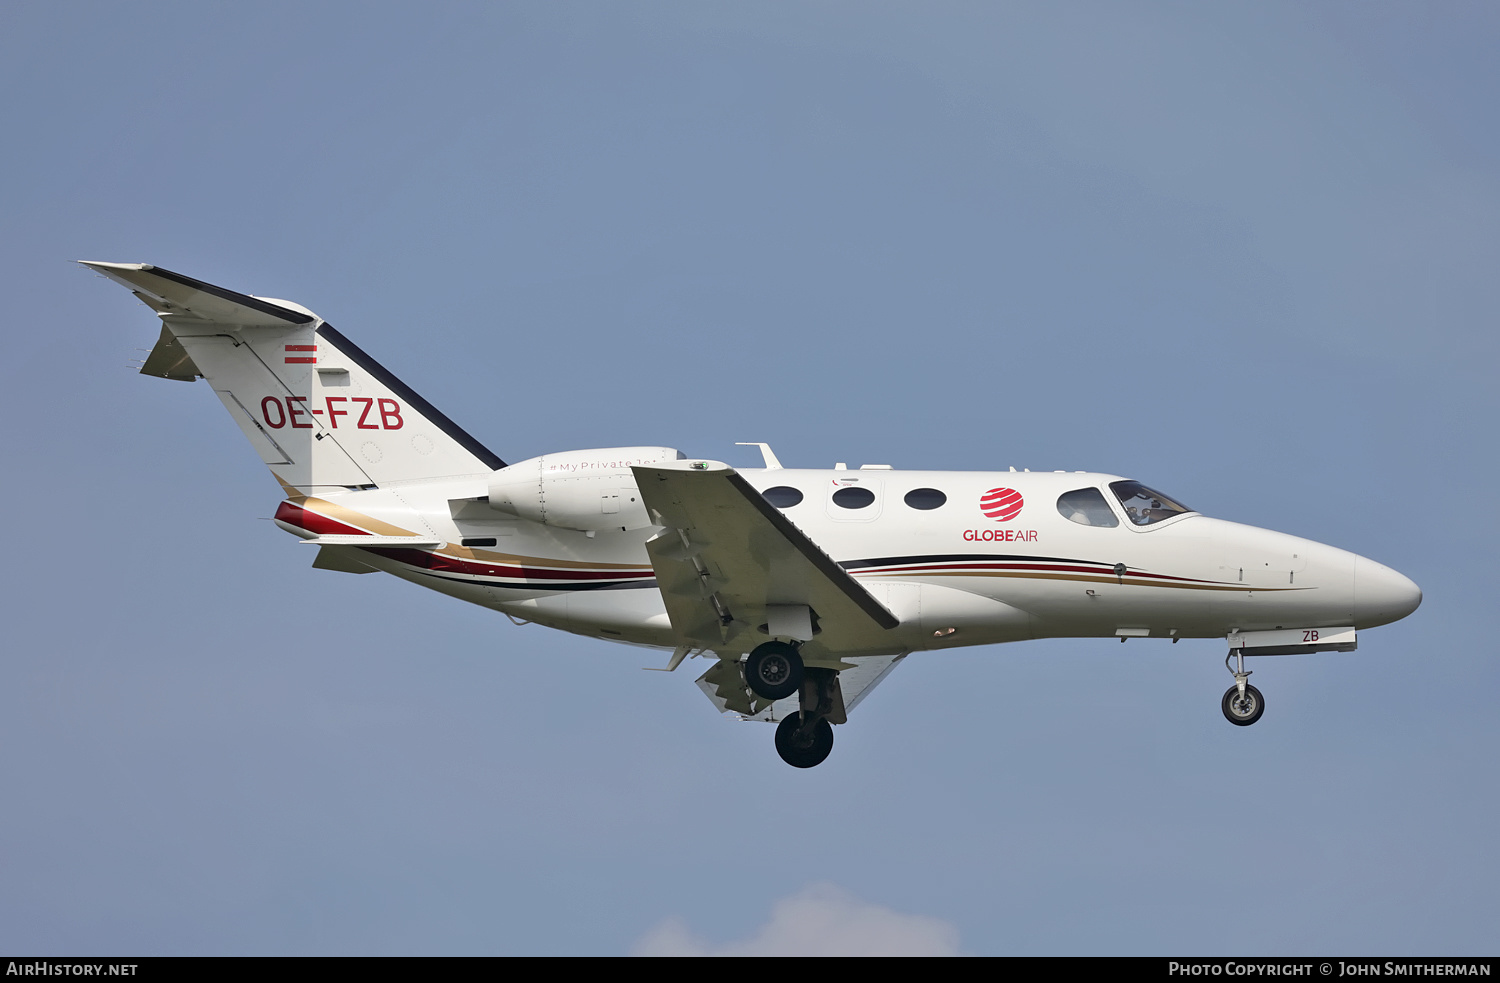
[(765, 451)]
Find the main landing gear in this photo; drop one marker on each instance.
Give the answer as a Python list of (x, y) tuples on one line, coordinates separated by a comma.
[(1242, 703), (774, 671), (804, 746)]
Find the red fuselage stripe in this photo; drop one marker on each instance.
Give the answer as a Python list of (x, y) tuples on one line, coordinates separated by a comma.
[(453, 564), (302, 518)]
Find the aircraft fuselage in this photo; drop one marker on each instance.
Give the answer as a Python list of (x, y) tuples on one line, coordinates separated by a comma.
[(953, 574)]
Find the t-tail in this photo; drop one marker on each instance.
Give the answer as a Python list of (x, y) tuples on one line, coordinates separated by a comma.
[(322, 414)]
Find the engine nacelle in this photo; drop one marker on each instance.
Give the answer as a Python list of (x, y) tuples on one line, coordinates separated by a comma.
[(586, 490)]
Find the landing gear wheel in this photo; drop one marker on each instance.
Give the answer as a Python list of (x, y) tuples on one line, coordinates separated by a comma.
[(1243, 710), (774, 671), (811, 749)]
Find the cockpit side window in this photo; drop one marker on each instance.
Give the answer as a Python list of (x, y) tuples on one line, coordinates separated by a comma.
[(1087, 507), (1143, 505)]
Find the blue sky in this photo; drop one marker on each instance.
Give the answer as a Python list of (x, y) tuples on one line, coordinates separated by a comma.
[(1242, 252)]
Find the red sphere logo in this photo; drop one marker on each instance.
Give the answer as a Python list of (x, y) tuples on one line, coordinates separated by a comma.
[(1001, 504)]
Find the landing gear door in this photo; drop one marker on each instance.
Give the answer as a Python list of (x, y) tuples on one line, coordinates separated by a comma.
[(1294, 641)]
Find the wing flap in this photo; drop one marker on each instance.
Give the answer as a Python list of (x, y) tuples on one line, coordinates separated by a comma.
[(724, 684)]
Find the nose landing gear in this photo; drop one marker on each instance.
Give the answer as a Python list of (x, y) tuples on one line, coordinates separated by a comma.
[(1242, 703), (1243, 708)]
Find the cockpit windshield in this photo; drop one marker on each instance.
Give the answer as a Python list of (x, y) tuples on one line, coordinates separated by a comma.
[(1143, 505)]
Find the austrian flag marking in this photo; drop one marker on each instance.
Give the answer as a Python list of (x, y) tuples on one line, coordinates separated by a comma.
[(302, 358), (1001, 504)]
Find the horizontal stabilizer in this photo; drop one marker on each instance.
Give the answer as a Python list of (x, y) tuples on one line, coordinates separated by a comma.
[(173, 294)]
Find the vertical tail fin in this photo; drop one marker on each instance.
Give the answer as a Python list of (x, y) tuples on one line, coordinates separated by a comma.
[(321, 413)]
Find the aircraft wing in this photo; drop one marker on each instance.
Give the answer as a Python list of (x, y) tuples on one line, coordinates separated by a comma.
[(730, 566)]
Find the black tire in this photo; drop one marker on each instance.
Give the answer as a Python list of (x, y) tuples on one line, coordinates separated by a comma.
[(774, 671), (814, 748), (1243, 712)]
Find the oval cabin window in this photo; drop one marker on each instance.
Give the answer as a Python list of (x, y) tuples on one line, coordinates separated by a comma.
[(926, 499), (782, 496), (853, 498)]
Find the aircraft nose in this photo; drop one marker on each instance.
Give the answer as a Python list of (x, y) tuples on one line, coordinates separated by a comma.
[(1381, 595)]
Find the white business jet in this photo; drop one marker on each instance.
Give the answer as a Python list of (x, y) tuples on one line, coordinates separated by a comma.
[(805, 587)]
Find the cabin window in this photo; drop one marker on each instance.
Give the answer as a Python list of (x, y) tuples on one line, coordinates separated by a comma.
[(1087, 507), (853, 498), (925, 499), (782, 496), (1143, 505)]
